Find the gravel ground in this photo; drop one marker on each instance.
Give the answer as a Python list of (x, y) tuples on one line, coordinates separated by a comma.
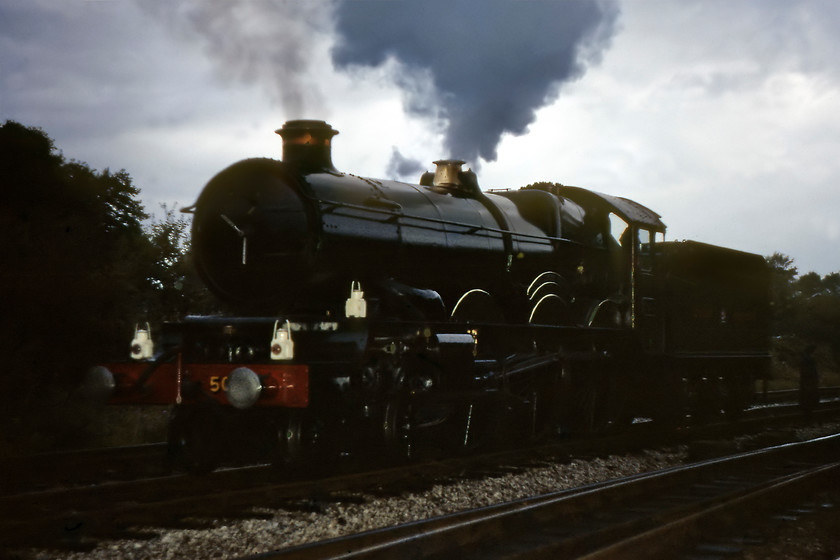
[(318, 521), (273, 529), (812, 536)]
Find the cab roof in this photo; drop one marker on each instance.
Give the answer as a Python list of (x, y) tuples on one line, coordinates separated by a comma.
[(628, 210)]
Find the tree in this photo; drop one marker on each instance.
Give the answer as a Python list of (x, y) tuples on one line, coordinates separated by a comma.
[(782, 276), (72, 257), (79, 271), (808, 285), (174, 289), (806, 310), (816, 311), (831, 284)]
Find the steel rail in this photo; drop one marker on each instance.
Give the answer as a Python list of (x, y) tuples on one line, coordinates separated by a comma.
[(579, 522), (102, 510), (81, 466), (720, 516)]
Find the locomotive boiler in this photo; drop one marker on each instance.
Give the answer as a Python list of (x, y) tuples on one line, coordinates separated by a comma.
[(372, 315)]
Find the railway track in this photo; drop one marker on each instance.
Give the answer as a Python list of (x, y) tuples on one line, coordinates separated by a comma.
[(82, 515), (792, 395), (645, 516), (81, 467)]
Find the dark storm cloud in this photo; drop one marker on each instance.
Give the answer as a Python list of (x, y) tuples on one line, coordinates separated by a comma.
[(53, 65), (87, 72), (404, 167), (485, 67)]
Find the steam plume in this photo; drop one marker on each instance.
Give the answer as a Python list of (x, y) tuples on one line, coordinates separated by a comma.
[(267, 43), (491, 63), (481, 68)]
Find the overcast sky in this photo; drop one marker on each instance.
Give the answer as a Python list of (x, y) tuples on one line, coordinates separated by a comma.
[(722, 116)]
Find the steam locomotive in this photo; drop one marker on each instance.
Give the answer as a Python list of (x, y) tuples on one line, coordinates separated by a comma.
[(375, 316)]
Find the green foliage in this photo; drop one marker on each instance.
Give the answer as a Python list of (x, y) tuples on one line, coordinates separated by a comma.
[(69, 230), (174, 289), (79, 270), (782, 277), (807, 312)]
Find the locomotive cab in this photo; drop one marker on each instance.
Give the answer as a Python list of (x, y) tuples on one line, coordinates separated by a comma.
[(630, 235)]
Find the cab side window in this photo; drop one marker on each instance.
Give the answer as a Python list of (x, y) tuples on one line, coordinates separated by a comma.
[(645, 250), (619, 232)]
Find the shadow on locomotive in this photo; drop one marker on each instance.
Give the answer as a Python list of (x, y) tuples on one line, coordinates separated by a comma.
[(381, 317)]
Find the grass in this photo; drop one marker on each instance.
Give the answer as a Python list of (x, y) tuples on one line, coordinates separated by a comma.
[(785, 367)]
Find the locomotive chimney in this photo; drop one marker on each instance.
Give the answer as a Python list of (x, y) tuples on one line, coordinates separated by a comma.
[(449, 177), (448, 172), (307, 145)]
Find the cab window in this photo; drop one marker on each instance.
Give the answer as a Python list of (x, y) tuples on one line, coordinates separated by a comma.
[(645, 250)]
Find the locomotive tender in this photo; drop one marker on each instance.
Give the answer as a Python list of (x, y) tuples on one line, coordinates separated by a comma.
[(376, 315)]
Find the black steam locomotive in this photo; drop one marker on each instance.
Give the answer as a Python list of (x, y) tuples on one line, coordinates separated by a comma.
[(410, 319)]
